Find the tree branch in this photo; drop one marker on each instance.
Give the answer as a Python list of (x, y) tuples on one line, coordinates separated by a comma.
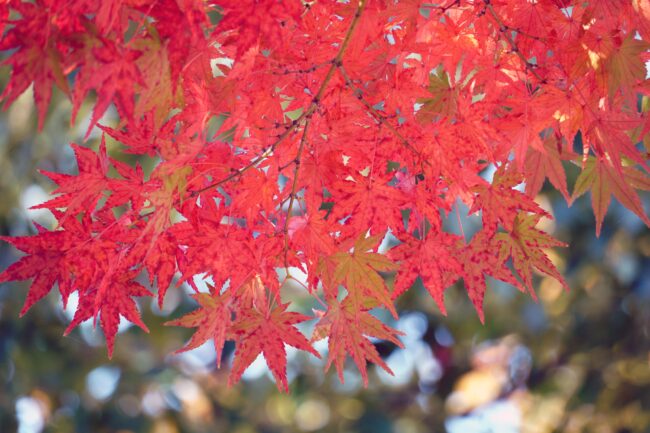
[(305, 114)]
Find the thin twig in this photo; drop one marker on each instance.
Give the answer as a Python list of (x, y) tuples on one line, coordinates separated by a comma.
[(513, 45), (285, 71), (268, 152), (337, 62), (292, 194), (305, 114), (381, 119)]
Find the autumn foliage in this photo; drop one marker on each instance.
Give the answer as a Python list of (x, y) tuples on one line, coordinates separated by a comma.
[(294, 136)]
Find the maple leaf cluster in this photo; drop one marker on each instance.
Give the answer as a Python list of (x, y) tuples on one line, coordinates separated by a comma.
[(299, 134)]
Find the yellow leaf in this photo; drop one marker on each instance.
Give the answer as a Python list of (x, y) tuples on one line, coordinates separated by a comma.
[(358, 271)]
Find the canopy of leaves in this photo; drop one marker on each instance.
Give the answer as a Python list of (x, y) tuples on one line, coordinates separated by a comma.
[(302, 134)]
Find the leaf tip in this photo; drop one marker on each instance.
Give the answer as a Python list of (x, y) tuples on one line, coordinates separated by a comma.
[(481, 315), (171, 323), (109, 348), (28, 304)]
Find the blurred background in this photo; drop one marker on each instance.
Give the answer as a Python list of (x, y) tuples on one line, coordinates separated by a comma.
[(575, 361)]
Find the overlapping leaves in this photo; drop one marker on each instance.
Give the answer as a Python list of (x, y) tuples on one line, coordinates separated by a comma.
[(293, 135)]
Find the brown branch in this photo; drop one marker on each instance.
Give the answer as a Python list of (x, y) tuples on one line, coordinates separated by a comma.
[(253, 163), (305, 114), (285, 71), (439, 8)]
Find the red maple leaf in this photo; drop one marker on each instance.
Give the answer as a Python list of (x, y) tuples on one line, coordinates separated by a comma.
[(543, 164), (478, 259), (266, 332), (111, 71), (112, 299), (213, 320), (501, 202), (430, 259), (44, 263), (348, 329), (81, 192), (39, 56)]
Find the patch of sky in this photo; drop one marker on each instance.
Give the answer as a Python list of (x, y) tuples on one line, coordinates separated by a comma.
[(102, 382), (501, 416), (29, 415)]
